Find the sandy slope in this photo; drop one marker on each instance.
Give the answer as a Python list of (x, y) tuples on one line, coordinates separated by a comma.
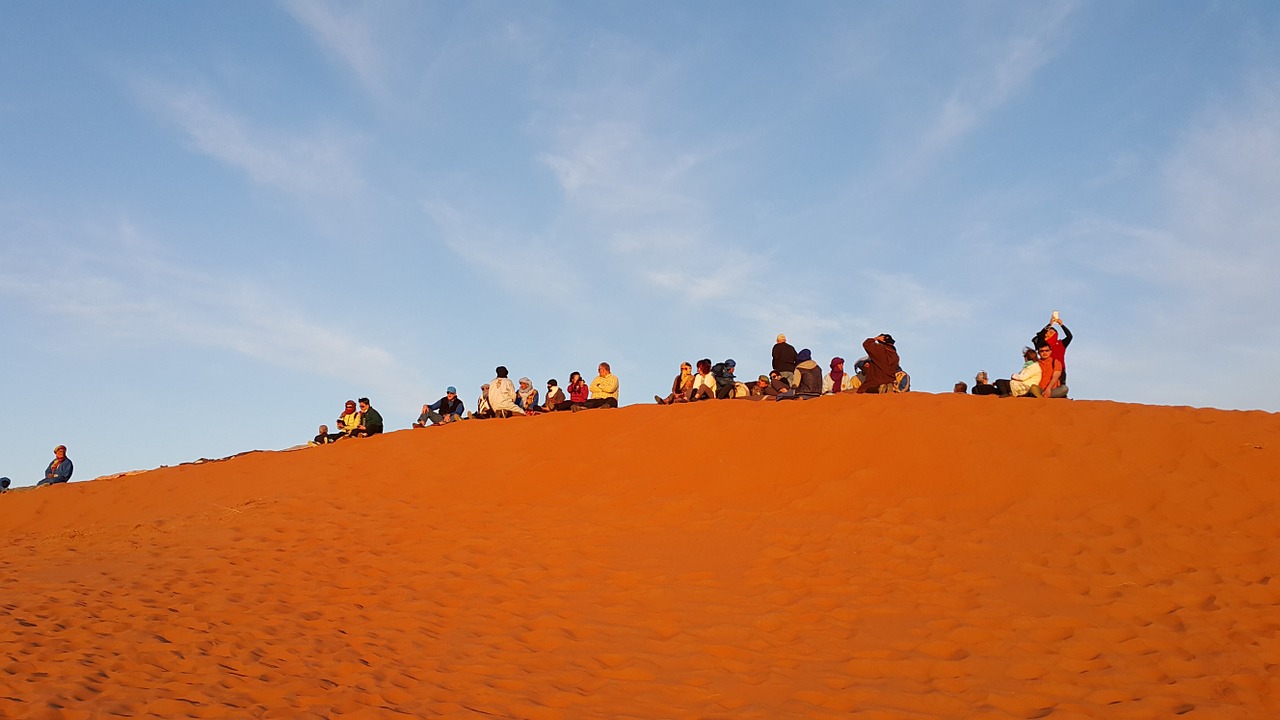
[(913, 556)]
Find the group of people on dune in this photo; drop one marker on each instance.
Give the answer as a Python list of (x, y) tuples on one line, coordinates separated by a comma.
[(1044, 368), (794, 375)]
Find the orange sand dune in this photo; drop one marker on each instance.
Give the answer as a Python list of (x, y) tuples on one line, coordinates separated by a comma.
[(917, 556)]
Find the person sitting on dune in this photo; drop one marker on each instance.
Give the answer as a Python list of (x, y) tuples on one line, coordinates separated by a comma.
[(527, 396), (578, 392), (370, 421), (324, 437), (445, 410), (483, 410), (60, 468), (838, 381), (982, 385), (502, 395), (680, 387), (4, 485), (1050, 385), (1023, 380), (350, 420), (883, 367), (1049, 335), (704, 383), (604, 388), (808, 378), (777, 384), (555, 396), (725, 381)]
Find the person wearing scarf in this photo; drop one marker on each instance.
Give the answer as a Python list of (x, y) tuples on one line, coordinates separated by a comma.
[(527, 396), (680, 387), (835, 382), (60, 468)]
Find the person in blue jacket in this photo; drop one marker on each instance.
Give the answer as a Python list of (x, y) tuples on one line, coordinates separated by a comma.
[(447, 409), (59, 470)]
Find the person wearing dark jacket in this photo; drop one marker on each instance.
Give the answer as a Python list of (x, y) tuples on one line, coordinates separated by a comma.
[(372, 420), (726, 384), (784, 359), (60, 468), (882, 366), (447, 409), (808, 376), (1048, 335)]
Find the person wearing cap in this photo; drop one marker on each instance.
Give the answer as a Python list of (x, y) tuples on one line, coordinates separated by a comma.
[(758, 389), (60, 468), (604, 388), (350, 420), (445, 410), (502, 394), (882, 365), (370, 420), (784, 359), (725, 381), (838, 381)]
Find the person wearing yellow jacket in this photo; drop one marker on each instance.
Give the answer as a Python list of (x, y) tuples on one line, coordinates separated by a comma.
[(604, 388)]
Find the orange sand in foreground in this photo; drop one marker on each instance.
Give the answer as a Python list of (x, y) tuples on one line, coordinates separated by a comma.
[(918, 556)]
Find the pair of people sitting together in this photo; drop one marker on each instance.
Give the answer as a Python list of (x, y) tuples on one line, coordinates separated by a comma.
[(363, 421)]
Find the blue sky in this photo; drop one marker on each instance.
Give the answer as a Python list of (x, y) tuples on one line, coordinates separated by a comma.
[(219, 221)]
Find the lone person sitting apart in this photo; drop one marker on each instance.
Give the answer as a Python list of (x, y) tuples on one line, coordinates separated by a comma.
[(60, 468), (445, 410), (882, 367), (604, 388)]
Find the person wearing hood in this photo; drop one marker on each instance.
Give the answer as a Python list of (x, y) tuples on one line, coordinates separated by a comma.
[(808, 378), (882, 367), (502, 394), (725, 381), (680, 387), (527, 396), (838, 380), (784, 359)]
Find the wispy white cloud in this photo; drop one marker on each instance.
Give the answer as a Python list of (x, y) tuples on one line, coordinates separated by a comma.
[(996, 79), (347, 32), (122, 289), (315, 165)]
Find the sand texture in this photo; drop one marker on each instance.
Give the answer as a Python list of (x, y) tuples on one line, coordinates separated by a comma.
[(916, 556)]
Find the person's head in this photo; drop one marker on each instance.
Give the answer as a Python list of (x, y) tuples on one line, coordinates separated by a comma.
[(501, 371), (603, 369), (960, 388), (525, 383), (60, 451), (980, 378), (1028, 354), (484, 387), (704, 365), (886, 338), (762, 381), (775, 375), (350, 407), (364, 404), (1044, 352), (1051, 334), (575, 377), (551, 383), (837, 363), (4, 483), (324, 429), (804, 355), (782, 338), (451, 391), (731, 364), (685, 368)]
